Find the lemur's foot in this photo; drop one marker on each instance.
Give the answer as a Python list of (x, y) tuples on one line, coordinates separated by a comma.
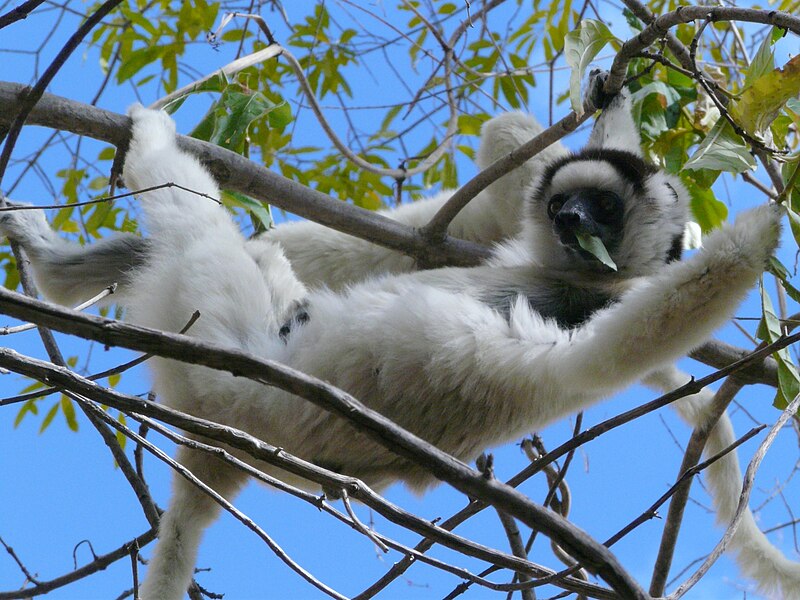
[(596, 97), (26, 227)]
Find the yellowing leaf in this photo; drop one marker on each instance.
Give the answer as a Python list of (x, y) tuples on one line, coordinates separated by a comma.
[(760, 103), (722, 150)]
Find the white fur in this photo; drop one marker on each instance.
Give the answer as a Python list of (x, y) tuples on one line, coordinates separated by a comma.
[(616, 128), (378, 337), (436, 361), (326, 257)]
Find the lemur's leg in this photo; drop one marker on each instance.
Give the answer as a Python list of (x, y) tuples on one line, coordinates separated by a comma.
[(66, 272), (197, 260), (190, 511)]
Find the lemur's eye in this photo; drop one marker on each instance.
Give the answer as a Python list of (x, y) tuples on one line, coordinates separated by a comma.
[(608, 202), (555, 204)]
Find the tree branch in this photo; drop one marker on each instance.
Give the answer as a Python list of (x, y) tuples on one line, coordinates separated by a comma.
[(742, 508), (98, 564), (691, 457), (661, 25), (237, 173), (446, 468), (263, 451)]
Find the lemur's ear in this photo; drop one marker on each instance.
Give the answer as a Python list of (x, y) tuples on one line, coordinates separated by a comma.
[(614, 128)]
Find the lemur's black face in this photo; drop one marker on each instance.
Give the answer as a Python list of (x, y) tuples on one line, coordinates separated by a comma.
[(587, 200), (587, 212)]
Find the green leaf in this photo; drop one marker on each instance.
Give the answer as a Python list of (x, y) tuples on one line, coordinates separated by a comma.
[(594, 246), (28, 407), (107, 153), (780, 271), (763, 62), (259, 210), (48, 418), (69, 413), (137, 60), (228, 120), (280, 115), (709, 212), (794, 222), (470, 124), (722, 150), (122, 439), (770, 330), (580, 48)]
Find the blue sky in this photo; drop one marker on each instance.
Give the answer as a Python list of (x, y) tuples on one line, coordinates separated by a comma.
[(60, 488)]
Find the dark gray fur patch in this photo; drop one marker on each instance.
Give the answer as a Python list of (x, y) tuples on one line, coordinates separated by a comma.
[(569, 305), (111, 259), (299, 317)]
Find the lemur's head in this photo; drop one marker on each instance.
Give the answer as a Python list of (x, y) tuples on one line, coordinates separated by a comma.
[(612, 195)]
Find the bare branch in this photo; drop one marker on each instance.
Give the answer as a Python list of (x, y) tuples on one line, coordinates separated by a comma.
[(436, 229), (694, 451), (98, 564), (82, 306), (661, 25), (19, 13)]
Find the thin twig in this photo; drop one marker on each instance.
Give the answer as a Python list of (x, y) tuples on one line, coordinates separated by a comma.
[(211, 493), (360, 526), (98, 564), (83, 305)]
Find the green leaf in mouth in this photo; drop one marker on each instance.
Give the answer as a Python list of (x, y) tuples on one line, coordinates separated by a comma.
[(594, 246)]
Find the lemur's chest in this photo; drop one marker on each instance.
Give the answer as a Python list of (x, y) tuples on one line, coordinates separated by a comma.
[(569, 305)]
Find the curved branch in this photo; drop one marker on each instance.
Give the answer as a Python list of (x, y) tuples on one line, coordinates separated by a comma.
[(582, 547), (237, 173), (437, 227), (98, 564), (675, 45)]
